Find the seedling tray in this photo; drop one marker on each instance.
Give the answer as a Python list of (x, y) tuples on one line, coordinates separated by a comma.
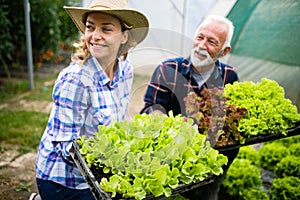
[(87, 173), (100, 194), (261, 138)]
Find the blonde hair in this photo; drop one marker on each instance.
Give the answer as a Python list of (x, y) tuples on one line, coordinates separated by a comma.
[(82, 52)]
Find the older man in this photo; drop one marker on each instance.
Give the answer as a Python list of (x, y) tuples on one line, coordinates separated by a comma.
[(173, 79)]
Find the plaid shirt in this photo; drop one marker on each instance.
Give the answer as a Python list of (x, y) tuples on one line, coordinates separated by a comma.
[(84, 98), (172, 81)]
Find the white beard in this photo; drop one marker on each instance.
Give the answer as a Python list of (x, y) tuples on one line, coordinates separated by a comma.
[(202, 63)]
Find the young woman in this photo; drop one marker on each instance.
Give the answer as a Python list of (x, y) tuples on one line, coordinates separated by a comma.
[(93, 90)]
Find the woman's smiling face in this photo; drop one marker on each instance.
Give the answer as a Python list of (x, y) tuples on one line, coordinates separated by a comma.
[(103, 37)]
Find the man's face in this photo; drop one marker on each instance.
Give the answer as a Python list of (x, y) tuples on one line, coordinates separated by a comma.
[(208, 44)]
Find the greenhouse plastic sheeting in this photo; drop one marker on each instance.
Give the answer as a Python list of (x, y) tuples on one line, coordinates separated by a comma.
[(252, 69), (266, 43), (267, 29)]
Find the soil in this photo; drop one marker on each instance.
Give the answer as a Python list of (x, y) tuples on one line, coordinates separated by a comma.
[(17, 172)]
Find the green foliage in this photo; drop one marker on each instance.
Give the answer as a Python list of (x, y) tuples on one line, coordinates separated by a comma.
[(235, 178), (151, 155), (288, 141), (271, 154), (12, 28), (6, 45), (17, 87), (241, 176), (295, 149), (40, 93), (6, 39), (68, 30), (214, 118), (45, 26), (22, 127), (176, 197), (49, 22), (288, 166), (245, 110), (12, 89), (268, 110), (55, 25), (254, 193), (25, 187), (287, 188), (248, 152)]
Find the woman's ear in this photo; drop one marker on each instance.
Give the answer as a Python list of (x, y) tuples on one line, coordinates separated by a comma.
[(124, 37)]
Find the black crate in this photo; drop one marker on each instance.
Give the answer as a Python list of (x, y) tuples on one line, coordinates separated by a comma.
[(100, 194), (87, 174), (261, 138)]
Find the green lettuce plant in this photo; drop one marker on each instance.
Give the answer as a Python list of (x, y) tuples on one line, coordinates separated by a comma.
[(287, 188), (241, 176), (271, 154), (268, 109), (250, 153), (254, 193), (288, 166), (152, 154)]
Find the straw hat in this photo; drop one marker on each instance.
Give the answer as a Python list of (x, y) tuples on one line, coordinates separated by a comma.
[(118, 8)]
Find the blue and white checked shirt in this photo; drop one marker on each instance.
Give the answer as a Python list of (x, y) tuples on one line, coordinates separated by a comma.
[(84, 98)]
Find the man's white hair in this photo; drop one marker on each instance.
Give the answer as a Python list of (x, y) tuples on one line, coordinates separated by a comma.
[(222, 20)]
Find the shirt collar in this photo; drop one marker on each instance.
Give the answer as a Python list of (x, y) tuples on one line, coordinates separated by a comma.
[(102, 77)]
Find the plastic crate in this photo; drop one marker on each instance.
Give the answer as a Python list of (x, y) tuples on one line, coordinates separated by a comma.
[(100, 194), (261, 138), (87, 174)]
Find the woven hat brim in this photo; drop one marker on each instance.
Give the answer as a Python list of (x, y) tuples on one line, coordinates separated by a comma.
[(134, 18)]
